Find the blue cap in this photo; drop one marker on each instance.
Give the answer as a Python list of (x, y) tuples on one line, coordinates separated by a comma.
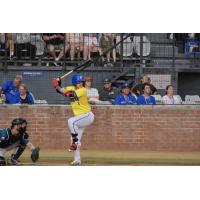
[(125, 85)]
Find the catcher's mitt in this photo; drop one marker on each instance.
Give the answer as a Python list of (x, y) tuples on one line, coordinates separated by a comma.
[(35, 154)]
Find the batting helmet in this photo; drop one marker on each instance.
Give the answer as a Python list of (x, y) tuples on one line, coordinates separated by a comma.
[(77, 78)]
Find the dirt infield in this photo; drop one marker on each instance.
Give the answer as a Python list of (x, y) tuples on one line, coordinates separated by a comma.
[(114, 157)]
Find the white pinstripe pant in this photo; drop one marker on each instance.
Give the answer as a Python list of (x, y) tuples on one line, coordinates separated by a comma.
[(76, 126)]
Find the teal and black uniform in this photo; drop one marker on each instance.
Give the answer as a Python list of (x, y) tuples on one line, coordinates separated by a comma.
[(7, 139)]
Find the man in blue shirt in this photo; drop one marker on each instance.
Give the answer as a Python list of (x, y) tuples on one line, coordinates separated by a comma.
[(146, 98), (15, 138), (125, 97), (11, 90)]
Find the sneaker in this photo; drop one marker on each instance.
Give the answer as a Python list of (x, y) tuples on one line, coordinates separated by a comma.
[(55, 64), (75, 163), (110, 64)]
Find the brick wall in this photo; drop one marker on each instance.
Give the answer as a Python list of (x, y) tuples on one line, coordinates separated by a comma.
[(150, 128)]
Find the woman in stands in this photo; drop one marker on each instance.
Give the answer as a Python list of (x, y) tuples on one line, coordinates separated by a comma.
[(169, 98), (25, 96)]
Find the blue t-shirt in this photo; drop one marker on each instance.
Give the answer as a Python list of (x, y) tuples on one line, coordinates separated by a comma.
[(146, 101), (11, 93), (121, 100)]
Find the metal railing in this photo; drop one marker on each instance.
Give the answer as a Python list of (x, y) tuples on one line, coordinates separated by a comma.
[(151, 50)]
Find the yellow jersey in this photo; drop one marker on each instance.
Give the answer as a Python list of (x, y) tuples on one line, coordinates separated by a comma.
[(79, 102)]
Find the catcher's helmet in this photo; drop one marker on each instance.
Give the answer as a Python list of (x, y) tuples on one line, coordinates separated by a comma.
[(23, 121), (16, 121)]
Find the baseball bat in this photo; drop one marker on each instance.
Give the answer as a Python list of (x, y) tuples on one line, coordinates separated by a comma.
[(79, 67)]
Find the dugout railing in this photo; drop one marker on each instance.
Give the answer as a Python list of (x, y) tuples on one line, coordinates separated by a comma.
[(151, 53)]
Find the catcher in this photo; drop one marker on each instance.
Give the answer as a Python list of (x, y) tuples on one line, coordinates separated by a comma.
[(81, 109), (16, 139)]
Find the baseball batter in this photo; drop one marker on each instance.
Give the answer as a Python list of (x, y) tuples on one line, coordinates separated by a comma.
[(82, 112)]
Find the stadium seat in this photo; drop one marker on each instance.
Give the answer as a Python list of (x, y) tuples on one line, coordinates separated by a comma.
[(40, 102), (146, 45), (127, 47), (158, 98), (190, 42), (188, 102), (192, 98), (36, 39), (179, 97)]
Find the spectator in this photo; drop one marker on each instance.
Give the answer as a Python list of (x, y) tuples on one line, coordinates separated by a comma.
[(10, 44), (55, 42), (90, 46), (2, 42), (75, 41), (139, 87), (106, 43), (22, 42), (134, 92), (11, 90), (6, 43), (108, 93), (92, 93), (146, 98), (25, 96), (125, 98), (169, 98), (2, 96), (114, 41), (194, 43)]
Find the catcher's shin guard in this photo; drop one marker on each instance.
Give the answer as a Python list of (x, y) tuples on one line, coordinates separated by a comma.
[(2, 161)]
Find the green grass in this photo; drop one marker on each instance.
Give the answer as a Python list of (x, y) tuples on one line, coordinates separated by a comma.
[(115, 157)]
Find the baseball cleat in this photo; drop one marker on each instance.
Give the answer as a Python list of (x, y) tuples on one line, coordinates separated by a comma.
[(75, 163)]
